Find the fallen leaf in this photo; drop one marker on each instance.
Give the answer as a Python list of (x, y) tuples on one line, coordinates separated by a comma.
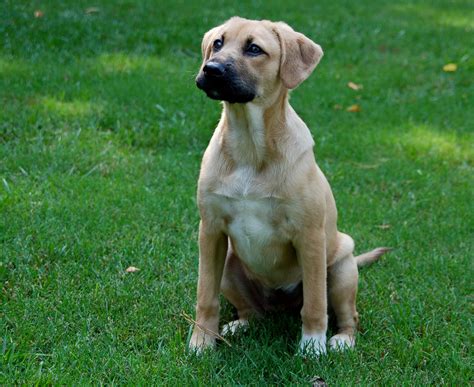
[(91, 10), (367, 166), (354, 108), (384, 226), (354, 86), (318, 381), (132, 269), (39, 13), (450, 67)]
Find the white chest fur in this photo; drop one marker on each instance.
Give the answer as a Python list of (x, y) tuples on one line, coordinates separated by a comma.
[(258, 226)]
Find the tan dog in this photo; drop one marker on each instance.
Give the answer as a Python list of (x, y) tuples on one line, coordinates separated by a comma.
[(268, 217)]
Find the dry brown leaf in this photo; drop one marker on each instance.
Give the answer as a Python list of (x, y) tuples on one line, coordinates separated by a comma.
[(39, 13), (354, 86), (132, 269), (384, 226), (450, 67), (367, 166), (91, 10), (354, 108)]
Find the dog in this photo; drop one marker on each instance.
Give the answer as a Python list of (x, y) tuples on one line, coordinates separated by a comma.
[(268, 237)]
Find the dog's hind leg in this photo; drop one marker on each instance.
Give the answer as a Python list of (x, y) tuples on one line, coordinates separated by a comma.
[(343, 279), (246, 295)]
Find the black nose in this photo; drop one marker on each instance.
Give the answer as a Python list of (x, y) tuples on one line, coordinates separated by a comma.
[(214, 69)]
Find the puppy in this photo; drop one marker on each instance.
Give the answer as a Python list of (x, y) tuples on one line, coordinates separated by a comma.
[(268, 237)]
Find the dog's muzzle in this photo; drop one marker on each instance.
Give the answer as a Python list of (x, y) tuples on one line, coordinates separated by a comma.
[(220, 81)]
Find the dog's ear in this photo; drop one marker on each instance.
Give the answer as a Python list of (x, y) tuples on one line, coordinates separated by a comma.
[(299, 55), (207, 40)]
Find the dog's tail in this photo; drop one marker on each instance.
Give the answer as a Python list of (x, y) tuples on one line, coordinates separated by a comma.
[(371, 256)]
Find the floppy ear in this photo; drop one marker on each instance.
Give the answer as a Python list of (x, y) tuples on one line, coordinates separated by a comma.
[(207, 40), (299, 55)]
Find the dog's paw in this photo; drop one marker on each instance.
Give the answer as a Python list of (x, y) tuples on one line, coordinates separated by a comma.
[(234, 327), (201, 342), (341, 342), (312, 345)]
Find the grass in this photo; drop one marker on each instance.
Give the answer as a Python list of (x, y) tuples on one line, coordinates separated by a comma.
[(101, 135)]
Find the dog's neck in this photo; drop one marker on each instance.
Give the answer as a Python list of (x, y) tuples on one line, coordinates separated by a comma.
[(251, 130)]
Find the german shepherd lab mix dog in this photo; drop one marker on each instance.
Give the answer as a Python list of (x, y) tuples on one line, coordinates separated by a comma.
[(268, 237)]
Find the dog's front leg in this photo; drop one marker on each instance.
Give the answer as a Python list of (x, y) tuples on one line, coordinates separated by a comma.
[(311, 251), (212, 253)]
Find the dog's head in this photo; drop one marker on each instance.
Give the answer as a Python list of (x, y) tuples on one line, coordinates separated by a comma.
[(245, 60)]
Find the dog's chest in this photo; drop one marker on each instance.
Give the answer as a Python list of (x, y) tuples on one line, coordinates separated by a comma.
[(257, 222)]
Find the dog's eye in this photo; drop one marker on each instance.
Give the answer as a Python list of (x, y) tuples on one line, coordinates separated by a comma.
[(217, 45), (253, 49)]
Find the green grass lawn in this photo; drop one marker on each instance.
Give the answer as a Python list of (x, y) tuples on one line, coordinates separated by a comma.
[(101, 134)]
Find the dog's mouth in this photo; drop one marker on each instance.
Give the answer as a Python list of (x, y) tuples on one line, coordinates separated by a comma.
[(226, 87)]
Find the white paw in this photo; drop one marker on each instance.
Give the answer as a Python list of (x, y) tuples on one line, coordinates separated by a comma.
[(200, 342), (341, 342), (234, 327), (313, 344)]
